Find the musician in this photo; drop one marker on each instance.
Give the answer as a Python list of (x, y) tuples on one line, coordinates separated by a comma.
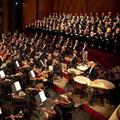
[(65, 105), (85, 46), (32, 52), (50, 76), (34, 90), (58, 45), (57, 67), (44, 46), (84, 52), (21, 94), (84, 56), (74, 59), (62, 53), (75, 45), (49, 59), (41, 63), (91, 72), (16, 116)]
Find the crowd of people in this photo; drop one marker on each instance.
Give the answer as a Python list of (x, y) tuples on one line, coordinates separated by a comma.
[(99, 31), (35, 60), (46, 55)]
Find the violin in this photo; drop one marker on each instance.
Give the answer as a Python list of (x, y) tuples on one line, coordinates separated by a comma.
[(5, 56), (14, 117)]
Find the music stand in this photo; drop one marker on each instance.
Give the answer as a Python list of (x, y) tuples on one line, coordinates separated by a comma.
[(16, 87), (40, 98), (32, 74), (2, 74), (0, 111), (17, 64)]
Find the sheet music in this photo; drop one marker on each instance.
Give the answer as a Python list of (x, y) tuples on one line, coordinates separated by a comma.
[(0, 111)]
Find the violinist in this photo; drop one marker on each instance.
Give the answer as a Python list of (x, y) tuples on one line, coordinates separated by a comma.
[(91, 72), (84, 53), (65, 105)]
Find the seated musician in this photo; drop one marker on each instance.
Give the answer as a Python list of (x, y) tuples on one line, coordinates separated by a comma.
[(39, 74), (38, 87), (47, 114), (74, 59), (91, 72), (14, 117), (49, 60), (57, 67), (41, 63), (50, 76), (18, 95), (32, 91), (61, 110), (75, 47), (84, 53), (62, 53), (84, 56), (65, 104)]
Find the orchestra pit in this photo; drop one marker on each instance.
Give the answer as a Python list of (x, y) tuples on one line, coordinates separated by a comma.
[(59, 60)]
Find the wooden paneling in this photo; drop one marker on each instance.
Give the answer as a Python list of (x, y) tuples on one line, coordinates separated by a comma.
[(69, 6), (77, 6), (41, 9), (45, 7), (100, 6), (5, 20), (29, 11)]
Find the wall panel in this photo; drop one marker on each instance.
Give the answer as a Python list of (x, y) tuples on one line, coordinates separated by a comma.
[(86, 6), (29, 11), (100, 5), (42, 9)]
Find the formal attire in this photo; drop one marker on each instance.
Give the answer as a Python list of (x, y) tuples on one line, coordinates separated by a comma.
[(91, 72)]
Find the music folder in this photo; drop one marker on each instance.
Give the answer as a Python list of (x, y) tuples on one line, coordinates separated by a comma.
[(16, 87), (2, 74), (40, 98)]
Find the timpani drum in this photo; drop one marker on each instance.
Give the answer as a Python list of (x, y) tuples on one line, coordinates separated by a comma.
[(81, 82), (74, 71), (82, 67), (102, 84)]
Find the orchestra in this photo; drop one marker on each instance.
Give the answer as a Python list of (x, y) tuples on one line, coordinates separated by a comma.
[(41, 61)]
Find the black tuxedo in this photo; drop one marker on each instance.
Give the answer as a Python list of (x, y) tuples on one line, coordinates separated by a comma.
[(57, 68), (91, 73), (49, 62), (32, 54), (73, 62)]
